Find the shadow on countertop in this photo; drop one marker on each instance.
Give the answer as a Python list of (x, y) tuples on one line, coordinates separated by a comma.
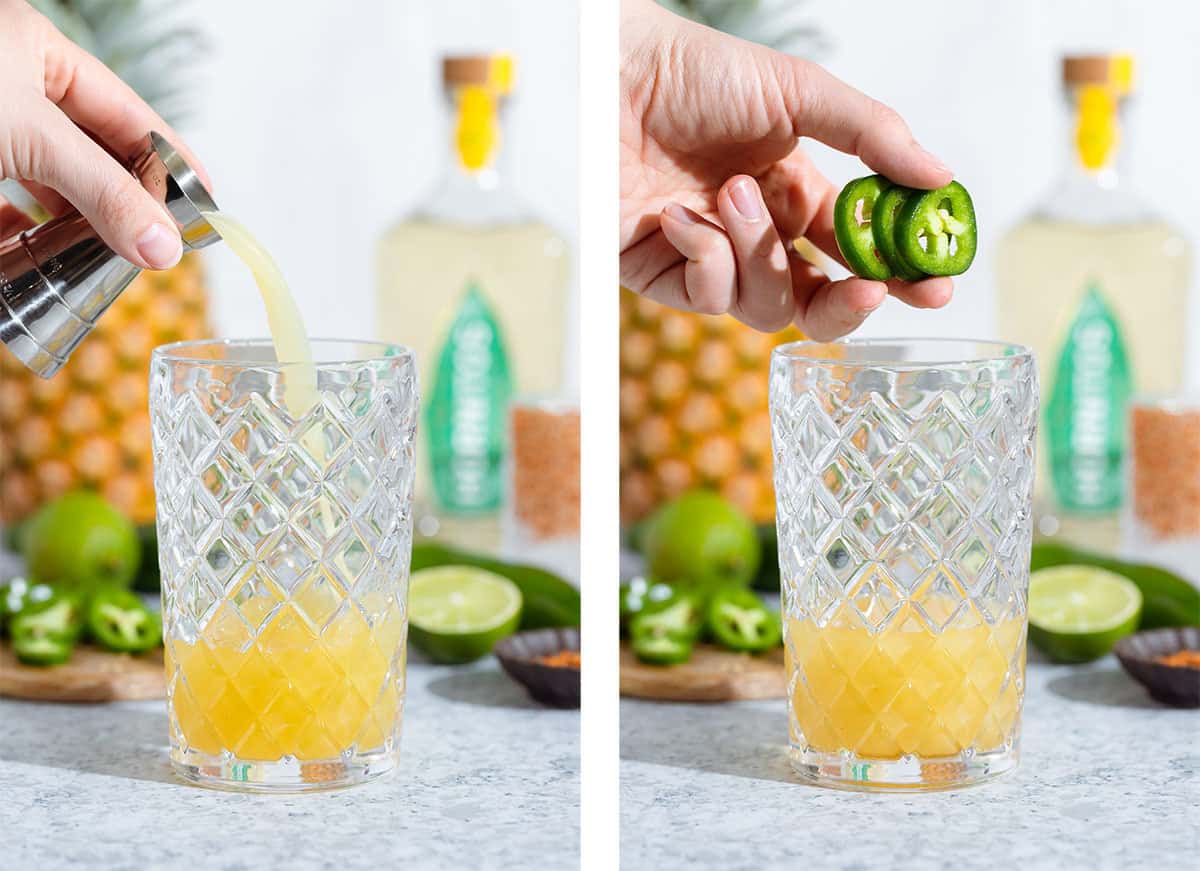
[(745, 739), (489, 688), (1109, 687), (117, 740)]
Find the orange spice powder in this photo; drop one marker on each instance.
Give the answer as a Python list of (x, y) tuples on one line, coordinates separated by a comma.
[(1181, 659), (562, 659)]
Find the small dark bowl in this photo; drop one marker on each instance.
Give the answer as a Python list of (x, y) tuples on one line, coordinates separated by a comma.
[(555, 686), (1174, 685)]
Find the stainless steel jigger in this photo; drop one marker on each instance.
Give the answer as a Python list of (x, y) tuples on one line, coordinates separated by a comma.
[(57, 278)]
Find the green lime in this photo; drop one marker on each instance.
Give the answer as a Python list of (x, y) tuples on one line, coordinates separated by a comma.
[(700, 540), (457, 613), (1077, 613), (80, 542)]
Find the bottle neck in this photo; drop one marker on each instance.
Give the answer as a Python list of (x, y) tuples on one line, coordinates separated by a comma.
[(1097, 150), (1094, 188), (474, 187)]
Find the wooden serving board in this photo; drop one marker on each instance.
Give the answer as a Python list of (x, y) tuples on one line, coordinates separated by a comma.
[(713, 674), (91, 675)]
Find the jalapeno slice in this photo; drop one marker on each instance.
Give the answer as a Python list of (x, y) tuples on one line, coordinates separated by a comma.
[(637, 595), (118, 621), (17, 595), (664, 632), (44, 632), (680, 616), (883, 227), (661, 649), (852, 227), (37, 648), (739, 620), (935, 230), (59, 615)]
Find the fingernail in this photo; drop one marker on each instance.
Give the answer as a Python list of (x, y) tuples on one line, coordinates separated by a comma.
[(159, 247), (746, 200), (936, 161), (678, 213)]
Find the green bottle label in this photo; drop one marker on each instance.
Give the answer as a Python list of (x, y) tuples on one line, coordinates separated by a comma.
[(465, 414), (1085, 417)]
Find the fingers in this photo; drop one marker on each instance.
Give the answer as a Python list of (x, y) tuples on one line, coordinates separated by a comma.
[(929, 293), (129, 220), (828, 310), (94, 97), (825, 108), (688, 265), (764, 297)]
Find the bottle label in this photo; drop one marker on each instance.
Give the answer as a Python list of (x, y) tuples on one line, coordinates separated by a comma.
[(465, 415), (477, 135), (1085, 417)]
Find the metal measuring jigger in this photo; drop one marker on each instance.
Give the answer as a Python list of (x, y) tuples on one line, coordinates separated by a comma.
[(57, 278)]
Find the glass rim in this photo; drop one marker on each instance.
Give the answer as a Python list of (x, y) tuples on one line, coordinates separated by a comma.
[(176, 352), (1003, 352)]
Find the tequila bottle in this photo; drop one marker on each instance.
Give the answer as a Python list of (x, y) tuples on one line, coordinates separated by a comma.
[(1096, 283), (477, 286)]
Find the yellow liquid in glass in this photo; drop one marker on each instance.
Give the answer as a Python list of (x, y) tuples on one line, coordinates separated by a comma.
[(906, 689), (292, 688), (313, 677)]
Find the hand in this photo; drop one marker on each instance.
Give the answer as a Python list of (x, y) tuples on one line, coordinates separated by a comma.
[(715, 187), (63, 115)]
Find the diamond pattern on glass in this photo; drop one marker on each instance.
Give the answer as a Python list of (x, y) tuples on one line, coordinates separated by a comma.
[(285, 547), (903, 512)]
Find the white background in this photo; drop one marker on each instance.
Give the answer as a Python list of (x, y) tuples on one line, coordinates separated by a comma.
[(323, 123), (978, 82), (322, 134)]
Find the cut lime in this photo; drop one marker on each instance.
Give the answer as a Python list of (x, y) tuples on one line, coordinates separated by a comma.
[(457, 613), (1077, 613)]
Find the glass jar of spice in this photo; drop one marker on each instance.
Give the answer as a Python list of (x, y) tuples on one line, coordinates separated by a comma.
[(543, 503), (1162, 515)]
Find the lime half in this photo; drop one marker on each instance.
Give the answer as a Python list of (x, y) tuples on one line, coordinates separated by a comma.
[(1077, 613), (457, 613)]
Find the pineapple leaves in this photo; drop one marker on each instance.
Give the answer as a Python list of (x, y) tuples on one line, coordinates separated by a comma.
[(142, 41), (780, 24)]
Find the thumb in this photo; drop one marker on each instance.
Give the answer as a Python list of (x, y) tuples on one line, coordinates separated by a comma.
[(126, 217), (825, 108)]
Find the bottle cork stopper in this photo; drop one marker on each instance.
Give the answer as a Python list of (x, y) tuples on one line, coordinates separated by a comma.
[(1113, 71), (492, 71)]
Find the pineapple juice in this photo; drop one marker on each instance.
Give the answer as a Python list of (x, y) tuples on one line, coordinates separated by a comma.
[(906, 689)]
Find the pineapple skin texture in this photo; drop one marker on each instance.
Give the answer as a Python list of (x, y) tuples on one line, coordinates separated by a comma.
[(694, 412), (89, 425)]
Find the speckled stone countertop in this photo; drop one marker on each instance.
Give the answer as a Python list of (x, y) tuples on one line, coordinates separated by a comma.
[(487, 780), (1109, 779)]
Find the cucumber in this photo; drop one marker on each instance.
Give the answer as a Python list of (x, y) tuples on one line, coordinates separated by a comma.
[(1167, 599), (550, 602)]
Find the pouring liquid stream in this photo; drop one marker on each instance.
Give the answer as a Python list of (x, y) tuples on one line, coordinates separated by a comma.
[(286, 326)]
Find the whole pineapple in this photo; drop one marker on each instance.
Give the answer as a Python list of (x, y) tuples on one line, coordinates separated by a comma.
[(89, 425), (693, 408)]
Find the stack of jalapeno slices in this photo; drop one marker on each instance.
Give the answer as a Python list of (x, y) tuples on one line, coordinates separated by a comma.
[(44, 624), (664, 623), (885, 230)]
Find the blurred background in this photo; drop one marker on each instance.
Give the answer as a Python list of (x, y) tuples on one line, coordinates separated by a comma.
[(983, 88), (335, 127), (399, 198)]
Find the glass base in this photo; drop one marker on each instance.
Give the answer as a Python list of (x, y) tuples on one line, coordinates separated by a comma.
[(283, 775), (906, 774)]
